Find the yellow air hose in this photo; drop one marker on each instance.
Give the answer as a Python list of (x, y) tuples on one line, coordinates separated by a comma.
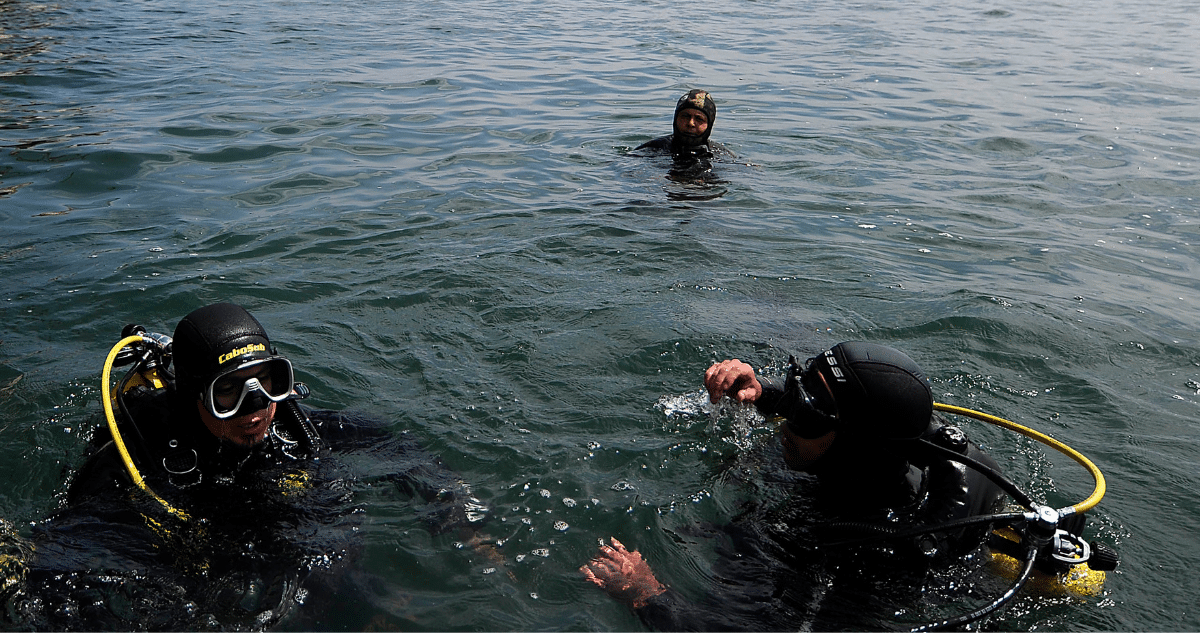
[(107, 401), (1079, 580), (1082, 506)]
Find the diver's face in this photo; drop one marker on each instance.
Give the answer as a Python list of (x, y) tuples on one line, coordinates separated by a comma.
[(243, 430), (691, 121), (800, 453)]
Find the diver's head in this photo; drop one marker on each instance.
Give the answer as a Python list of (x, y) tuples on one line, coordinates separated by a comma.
[(856, 398), (224, 360), (695, 114)]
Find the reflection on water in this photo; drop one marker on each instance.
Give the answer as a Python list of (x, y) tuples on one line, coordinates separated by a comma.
[(22, 36), (22, 39)]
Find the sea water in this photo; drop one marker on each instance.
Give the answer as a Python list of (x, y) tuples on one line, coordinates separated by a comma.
[(435, 210)]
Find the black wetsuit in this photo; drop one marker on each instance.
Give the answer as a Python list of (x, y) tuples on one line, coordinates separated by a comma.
[(685, 146), (181, 460), (786, 566), (269, 528), (705, 150)]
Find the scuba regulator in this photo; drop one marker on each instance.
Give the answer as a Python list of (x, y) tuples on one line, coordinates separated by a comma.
[(1039, 538)]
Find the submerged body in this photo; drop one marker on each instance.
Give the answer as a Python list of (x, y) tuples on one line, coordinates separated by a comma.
[(215, 501), (783, 566), (268, 539), (870, 457), (709, 150)]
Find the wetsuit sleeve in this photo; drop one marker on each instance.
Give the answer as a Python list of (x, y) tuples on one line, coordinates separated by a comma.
[(746, 598), (720, 151), (671, 611), (753, 585), (447, 500), (449, 503), (660, 143), (768, 403), (103, 473)]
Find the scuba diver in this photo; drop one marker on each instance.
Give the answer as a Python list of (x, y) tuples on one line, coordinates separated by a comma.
[(885, 493), (214, 498), (224, 407), (692, 123)]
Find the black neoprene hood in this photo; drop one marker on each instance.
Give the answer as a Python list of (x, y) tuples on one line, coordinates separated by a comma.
[(879, 392), (214, 338), (696, 100)]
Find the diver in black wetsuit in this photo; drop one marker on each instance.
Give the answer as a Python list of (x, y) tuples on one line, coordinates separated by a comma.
[(692, 124), (233, 408), (850, 419), (248, 511)]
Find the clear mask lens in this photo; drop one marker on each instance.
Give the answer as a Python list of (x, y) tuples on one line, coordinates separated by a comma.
[(271, 378)]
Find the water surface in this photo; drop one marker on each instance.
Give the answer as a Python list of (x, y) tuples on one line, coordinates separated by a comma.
[(435, 211)]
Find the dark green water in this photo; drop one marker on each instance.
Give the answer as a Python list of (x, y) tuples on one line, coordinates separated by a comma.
[(433, 209)]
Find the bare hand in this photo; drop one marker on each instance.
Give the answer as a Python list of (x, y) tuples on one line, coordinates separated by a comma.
[(733, 378), (623, 574)]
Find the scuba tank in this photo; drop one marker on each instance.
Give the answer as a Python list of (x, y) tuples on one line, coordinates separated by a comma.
[(1040, 547), (1066, 566)]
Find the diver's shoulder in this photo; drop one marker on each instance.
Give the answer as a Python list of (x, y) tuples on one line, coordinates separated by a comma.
[(351, 430), (720, 151), (103, 472), (662, 143)]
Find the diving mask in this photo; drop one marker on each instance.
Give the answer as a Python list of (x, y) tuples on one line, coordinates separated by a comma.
[(799, 408), (260, 380)]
